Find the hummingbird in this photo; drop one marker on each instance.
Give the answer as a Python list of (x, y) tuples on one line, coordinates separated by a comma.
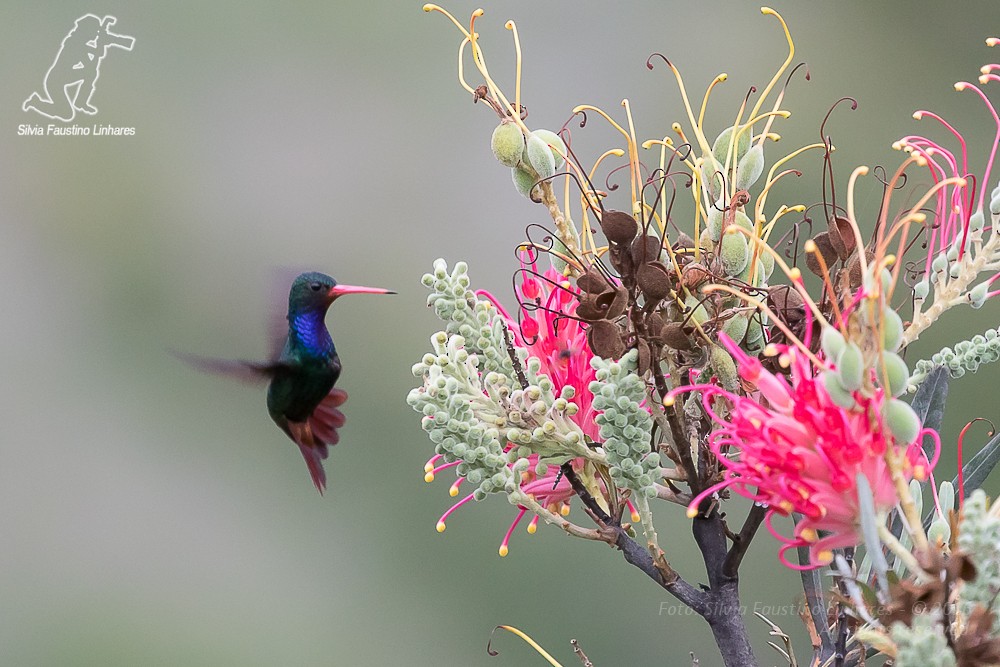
[(301, 397)]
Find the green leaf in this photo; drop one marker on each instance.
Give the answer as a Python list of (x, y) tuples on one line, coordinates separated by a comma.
[(929, 402), (979, 468)]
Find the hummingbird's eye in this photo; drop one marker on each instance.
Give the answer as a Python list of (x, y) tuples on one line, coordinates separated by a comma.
[(315, 287)]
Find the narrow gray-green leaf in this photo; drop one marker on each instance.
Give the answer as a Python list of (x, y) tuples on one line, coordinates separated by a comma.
[(869, 530), (929, 402), (979, 468)]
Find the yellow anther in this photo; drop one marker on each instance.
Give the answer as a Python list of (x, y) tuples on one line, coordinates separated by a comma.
[(692, 512), (429, 477), (810, 246), (504, 550), (532, 527), (440, 526)]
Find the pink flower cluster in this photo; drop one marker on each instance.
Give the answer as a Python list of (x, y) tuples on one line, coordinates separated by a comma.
[(788, 446)]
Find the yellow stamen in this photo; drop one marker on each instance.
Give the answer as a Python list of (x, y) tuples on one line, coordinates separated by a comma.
[(759, 207), (825, 557), (429, 477), (440, 526), (809, 534), (517, 55), (531, 643), (858, 241), (564, 510), (532, 527), (692, 512), (633, 156), (504, 550), (708, 91), (767, 11)]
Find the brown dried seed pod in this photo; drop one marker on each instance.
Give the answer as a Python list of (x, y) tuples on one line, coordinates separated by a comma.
[(654, 281), (842, 237), (645, 248), (683, 242), (615, 302), (621, 260), (674, 337), (593, 281), (605, 340), (694, 274), (654, 325), (589, 310), (787, 303), (619, 227), (854, 268), (645, 357), (826, 248)]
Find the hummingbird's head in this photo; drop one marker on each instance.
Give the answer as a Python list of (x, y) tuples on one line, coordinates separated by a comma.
[(316, 291)]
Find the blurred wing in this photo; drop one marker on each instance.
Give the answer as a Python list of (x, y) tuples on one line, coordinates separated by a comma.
[(244, 371), (317, 433)]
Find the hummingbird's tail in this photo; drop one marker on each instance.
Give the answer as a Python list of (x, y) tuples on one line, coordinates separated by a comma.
[(319, 431)]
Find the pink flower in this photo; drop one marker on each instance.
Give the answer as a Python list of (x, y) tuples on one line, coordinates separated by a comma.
[(955, 204), (790, 447), (547, 328)]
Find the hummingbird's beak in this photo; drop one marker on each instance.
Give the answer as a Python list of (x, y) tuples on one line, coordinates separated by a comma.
[(341, 290)]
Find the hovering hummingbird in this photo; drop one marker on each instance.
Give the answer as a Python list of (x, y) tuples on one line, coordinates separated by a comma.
[(301, 397)]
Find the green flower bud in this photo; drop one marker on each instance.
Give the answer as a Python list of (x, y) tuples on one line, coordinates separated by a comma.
[(716, 217), (720, 149), (837, 393), (977, 295), (851, 367), (921, 289), (750, 168), (892, 330), (540, 156), (725, 368), (896, 375), (711, 177), (736, 327), (524, 181), (946, 496), (901, 421), (734, 253), (556, 144), (508, 144), (832, 342), (995, 205), (976, 221), (939, 531), (700, 314)]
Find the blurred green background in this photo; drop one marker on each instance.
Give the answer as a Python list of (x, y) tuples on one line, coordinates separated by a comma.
[(152, 515)]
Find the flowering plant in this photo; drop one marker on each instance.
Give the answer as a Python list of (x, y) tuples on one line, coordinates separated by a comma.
[(676, 354)]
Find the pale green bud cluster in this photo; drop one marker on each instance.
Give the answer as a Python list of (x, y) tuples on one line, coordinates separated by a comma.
[(923, 644), (471, 399), (967, 357), (531, 158), (469, 316), (451, 400), (979, 537), (625, 425)]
